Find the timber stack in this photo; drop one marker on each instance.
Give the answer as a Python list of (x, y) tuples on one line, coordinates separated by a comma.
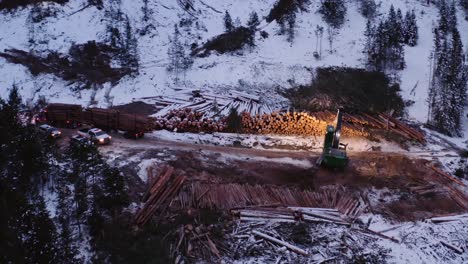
[(295, 123), (315, 123), (159, 195), (234, 195), (186, 120)]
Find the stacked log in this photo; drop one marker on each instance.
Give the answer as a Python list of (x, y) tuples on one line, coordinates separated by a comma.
[(314, 124), (295, 123), (159, 195), (229, 196), (186, 120)]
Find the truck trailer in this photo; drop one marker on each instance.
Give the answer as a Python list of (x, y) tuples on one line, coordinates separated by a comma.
[(73, 116)]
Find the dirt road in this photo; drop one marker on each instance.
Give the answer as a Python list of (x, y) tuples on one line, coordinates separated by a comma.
[(387, 178)]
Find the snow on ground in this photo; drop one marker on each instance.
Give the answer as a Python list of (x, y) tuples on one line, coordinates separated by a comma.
[(274, 62), (146, 163), (271, 141), (420, 242)]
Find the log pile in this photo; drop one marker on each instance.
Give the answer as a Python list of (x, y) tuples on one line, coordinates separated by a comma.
[(291, 215), (229, 196), (186, 107), (210, 104), (331, 242), (159, 195), (283, 124), (314, 124), (186, 120), (457, 195)]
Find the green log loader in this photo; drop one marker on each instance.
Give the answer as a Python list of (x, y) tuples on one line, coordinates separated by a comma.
[(334, 153)]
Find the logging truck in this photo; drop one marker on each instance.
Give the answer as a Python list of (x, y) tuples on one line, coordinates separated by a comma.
[(73, 116)]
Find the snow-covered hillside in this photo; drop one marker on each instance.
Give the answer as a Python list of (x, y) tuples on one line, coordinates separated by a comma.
[(273, 62)]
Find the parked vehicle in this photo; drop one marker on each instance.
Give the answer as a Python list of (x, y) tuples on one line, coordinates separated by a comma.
[(50, 131), (78, 140), (96, 135), (69, 115)]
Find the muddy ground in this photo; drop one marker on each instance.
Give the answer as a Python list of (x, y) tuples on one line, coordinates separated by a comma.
[(385, 178)]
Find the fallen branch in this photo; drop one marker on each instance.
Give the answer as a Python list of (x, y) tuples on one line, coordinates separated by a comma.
[(454, 248), (379, 234), (440, 172), (277, 241)]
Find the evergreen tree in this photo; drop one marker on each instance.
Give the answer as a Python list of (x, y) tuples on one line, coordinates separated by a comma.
[(130, 53), (228, 25), (253, 21), (368, 8), (115, 196), (400, 25), (145, 10), (369, 44), (67, 249), (333, 12), (464, 4), (39, 233), (97, 3), (180, 62), (443, 15), (290, 27), (384, 49), (452, 16), (447, 94), (234, 121), (410, 29), (394, 27), (27, 234)]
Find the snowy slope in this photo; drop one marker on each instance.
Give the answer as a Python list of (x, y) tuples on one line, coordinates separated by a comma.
[(274, 62)]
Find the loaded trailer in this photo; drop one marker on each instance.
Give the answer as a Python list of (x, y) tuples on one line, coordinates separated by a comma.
[(70, 115)]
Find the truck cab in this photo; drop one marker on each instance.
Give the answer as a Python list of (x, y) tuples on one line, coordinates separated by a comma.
[(96, 135)]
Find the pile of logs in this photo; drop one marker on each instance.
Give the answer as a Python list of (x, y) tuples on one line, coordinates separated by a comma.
[(186, 120), (209, 104), (229, 196), (194, 110), (455, 193), (314, 124), (291, 214), (283, 124), (159, 195)]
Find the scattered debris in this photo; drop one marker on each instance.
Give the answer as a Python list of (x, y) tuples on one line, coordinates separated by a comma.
[(282, 243)]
